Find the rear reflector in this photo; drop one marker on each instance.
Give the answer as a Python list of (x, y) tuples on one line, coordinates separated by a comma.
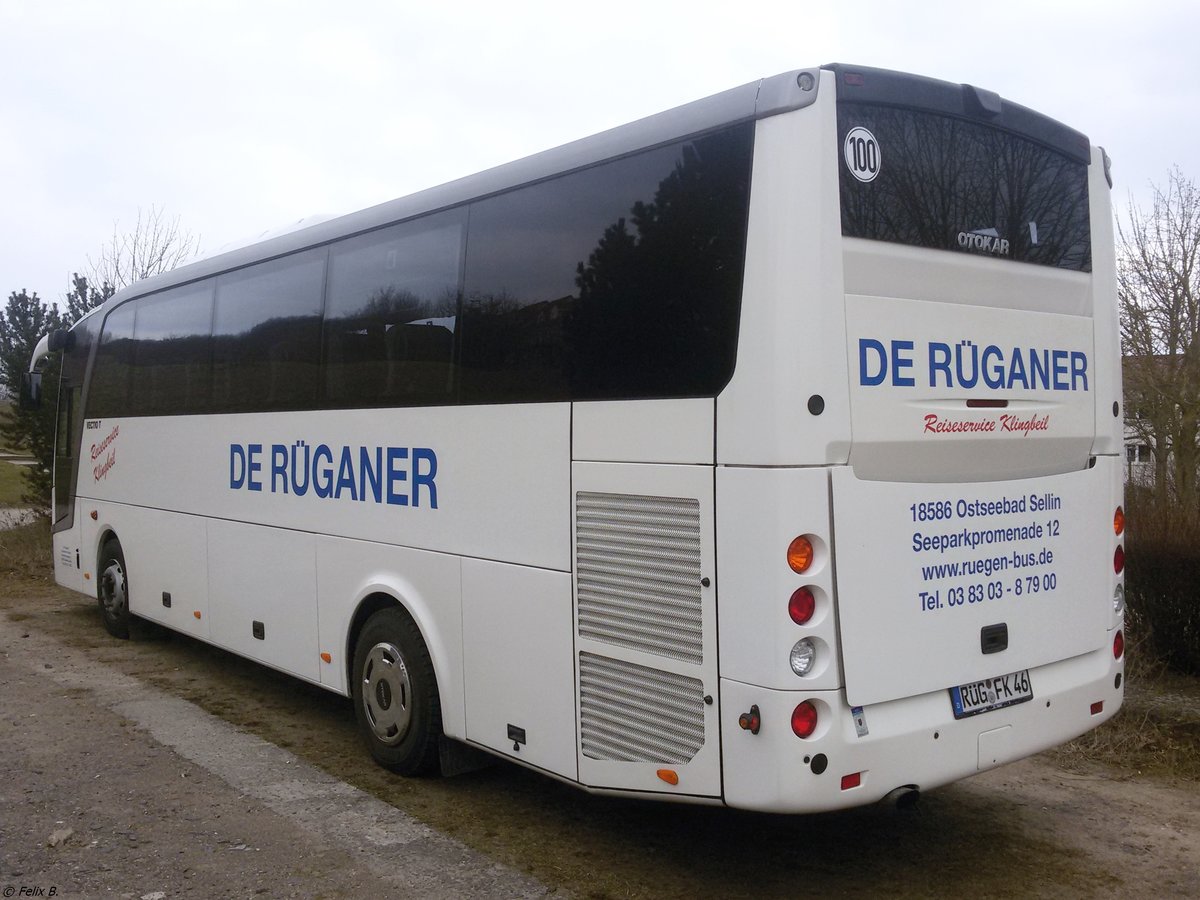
[(1097, 707), (851, 781)]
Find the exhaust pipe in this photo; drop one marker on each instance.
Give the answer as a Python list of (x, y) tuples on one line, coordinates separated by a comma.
[(904, 797)]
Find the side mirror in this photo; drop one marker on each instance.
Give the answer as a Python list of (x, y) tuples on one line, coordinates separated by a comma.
[(61, 339), (31, 390)]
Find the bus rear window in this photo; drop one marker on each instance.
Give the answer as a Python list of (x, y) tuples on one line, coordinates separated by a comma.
[(932, 180)]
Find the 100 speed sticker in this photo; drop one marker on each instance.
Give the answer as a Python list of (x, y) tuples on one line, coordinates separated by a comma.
[(861, 152)]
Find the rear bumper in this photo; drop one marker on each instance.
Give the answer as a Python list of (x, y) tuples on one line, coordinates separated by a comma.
[(911, 742)]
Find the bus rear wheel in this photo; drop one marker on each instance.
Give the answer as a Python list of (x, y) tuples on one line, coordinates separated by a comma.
[(395, 694), (113, 590)]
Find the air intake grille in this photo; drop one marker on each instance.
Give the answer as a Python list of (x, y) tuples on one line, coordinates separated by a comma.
[(638, 573), (632, 713)]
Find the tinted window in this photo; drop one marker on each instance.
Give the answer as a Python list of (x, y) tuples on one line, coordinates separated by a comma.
[(108, 391), (392, 315), (956, 184), (172, 359), (70, 416), (267, 335), (622, 280)]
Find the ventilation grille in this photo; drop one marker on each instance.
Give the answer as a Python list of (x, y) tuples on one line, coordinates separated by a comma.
[(637, 569), (632, 713)]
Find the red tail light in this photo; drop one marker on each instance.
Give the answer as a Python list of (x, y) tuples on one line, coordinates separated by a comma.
[(801, 605), (1118, 645), (804, 719), (1119, 560)]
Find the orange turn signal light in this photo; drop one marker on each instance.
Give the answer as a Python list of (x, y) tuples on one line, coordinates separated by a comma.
[(196, 613), (800, 555), (670, 776), (326, 658), (1119, 521)]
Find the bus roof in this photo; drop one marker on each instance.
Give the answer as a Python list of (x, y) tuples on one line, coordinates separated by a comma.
[(757, 99)]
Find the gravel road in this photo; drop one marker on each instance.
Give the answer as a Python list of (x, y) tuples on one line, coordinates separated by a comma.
[(109, 787)]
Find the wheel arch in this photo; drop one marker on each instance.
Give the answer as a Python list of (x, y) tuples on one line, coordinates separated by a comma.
[(438, 635), (367, 607), (103, 536)]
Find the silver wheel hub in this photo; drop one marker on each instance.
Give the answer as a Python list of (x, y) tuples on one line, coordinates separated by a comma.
[(112, 589), (387, 693)]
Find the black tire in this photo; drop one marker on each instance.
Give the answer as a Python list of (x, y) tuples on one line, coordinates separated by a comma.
[(112, 590), (395, 694)]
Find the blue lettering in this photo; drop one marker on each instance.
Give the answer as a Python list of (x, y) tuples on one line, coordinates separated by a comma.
[(1017, 371), (993, 375), (424, 478), (394, 475), (370, 476), (1060, 370), (322, 477), (966, 351), (1039, 369), (345, 478), (1078, 370), (902, 362), (398, 476), (279, 460), (255, 450), (939, 361), (300, 488), (237, 466), (870, 345)]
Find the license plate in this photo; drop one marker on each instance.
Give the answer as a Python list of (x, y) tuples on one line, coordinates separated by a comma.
[(991, 693)]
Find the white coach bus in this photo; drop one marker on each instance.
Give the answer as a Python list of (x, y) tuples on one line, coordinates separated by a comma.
[(764, 452)]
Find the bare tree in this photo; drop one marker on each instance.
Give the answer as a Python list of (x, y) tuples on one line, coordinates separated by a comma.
[(1158, 283), (156, 244)]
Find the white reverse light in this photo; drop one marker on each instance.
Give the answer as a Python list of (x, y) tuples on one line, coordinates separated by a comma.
[(802, 657)]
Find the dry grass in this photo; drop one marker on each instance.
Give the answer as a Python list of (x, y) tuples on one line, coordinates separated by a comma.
[(25, 554), (1156, 732), (13, 485)]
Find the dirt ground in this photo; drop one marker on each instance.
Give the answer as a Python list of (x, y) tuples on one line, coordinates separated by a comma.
[(1029, 829)]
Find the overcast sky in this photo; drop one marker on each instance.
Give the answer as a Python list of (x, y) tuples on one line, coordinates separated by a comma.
[(244, 116)]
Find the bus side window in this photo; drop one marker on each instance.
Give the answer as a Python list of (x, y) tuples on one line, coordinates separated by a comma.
[(267, 335), (172, 356), (392, 315), (108, 394), (620, 281)]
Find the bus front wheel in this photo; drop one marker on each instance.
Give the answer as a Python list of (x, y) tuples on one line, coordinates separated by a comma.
[(395, 694), (113, 590)]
